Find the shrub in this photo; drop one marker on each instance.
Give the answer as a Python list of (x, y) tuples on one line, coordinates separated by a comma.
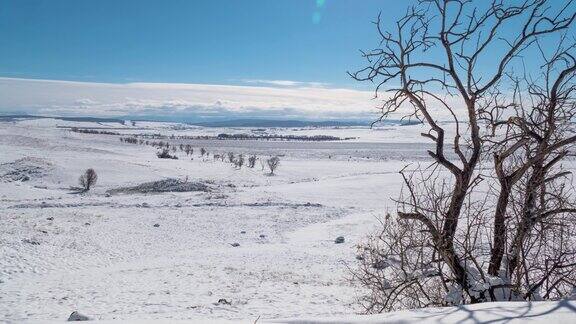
[(165, 154)]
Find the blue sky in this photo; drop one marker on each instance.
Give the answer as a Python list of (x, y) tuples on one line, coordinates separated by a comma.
[(216, 41), (195, 59)]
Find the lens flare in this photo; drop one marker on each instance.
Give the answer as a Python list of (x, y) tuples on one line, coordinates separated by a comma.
[(316, 17)]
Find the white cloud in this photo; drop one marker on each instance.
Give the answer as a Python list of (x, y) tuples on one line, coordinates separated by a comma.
[(295, 99), (287, 83)]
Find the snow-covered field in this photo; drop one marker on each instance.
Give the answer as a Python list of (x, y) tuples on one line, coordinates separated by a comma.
[(169, 256)]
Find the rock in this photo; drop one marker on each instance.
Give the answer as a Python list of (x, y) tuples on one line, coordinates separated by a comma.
[(87, 224), (235, 244), (262, 236), (242, 232), (145, 205), (156, 225), (223, 301), (31, 241), (77, 317), (359, 257), (50, 218), (339, 239), (107, 195)]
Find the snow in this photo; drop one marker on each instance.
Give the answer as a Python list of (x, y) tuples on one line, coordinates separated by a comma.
[(500, 312), (100, 254)]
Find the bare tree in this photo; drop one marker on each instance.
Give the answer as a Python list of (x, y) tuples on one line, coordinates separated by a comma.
[(231, 157), (202, 151), (537, 137), (188, 149), (239, 162), (88, 179), (252, 161), (273, 164), (432, 62)]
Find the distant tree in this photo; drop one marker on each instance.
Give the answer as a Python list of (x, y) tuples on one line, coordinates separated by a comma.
[(273, 164), (202, 151), (252, 161), (88, 179), (188, 149), (239, 162), (231, 157)]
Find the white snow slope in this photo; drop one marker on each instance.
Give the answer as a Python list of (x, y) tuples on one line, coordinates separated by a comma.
[(165, 257)]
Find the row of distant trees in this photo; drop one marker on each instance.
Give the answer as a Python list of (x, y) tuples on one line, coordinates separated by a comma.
[(92, 131), (313, 138), (168, 151)]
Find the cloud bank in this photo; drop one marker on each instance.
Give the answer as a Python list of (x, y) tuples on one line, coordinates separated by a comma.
[(291, 100)]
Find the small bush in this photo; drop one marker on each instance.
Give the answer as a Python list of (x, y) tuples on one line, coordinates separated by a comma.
[(165, 154)]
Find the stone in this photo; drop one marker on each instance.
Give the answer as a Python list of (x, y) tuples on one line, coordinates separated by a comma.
[(235, 244), (156, 225), (77, 317), (223, 301), (339, 239)]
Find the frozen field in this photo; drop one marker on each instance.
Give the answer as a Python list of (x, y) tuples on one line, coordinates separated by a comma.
[(124, 255)]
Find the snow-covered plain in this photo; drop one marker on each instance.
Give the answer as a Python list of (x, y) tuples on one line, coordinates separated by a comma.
[(169, 256)]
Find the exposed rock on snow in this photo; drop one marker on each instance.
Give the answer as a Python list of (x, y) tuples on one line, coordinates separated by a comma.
[(77, 317), (24, 169), (339, 239), (156, 225), (29, 241), (235, 244), (223, 301), (166, 185)]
